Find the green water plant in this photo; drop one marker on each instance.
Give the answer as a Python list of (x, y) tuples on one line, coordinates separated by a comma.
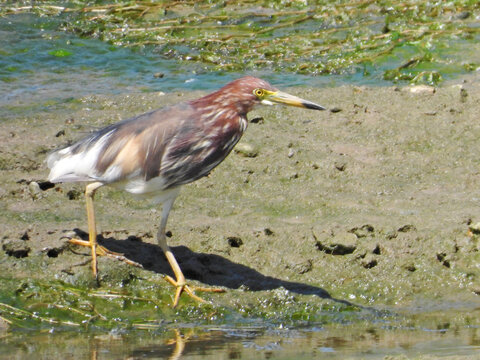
[(309, 37)]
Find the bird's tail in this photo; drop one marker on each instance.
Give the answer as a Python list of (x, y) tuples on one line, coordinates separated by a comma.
[(67, 166)]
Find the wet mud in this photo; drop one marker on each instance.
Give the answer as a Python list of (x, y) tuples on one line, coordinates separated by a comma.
[(364, 206)]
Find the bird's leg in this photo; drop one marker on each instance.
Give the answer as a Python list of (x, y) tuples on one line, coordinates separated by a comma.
[(92, 232), (180, 282), (92, 228)]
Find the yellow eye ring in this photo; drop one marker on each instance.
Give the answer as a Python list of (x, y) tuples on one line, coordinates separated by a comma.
[(258, 92)]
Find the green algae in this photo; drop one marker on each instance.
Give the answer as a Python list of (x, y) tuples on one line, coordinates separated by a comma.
[(60, 53), (140, 304), (407, 40)]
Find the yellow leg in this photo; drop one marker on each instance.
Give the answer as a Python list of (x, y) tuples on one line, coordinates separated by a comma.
[(92, 233), (92, 227), (180, 282)]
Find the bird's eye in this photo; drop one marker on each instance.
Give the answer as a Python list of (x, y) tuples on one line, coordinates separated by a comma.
[(258, 92)]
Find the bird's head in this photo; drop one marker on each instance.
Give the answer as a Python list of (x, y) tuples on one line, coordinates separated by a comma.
[(245, 93), (274, 96)]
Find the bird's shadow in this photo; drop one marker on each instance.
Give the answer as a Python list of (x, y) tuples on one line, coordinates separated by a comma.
[(210, 269)]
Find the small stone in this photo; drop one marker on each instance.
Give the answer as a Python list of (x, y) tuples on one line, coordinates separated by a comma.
[(291, 152), (335, 110), (246, 150), (60, 133), (35, 190), (474, 228), (158, 75), (302, 267), (420, 89)]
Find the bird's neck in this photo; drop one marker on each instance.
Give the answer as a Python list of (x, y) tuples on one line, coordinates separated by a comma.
[(220, 101)]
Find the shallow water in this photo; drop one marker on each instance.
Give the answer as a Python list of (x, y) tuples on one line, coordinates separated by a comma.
[(367, 341), (41, 65), (30, 71)]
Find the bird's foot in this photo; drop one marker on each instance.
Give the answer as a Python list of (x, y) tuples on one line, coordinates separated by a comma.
[(182, 286), (103, 251)]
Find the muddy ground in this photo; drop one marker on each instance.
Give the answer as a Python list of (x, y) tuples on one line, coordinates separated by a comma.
[(367, 204)]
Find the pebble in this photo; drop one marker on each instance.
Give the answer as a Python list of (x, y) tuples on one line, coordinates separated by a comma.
[(419, 89), (302, 267), (246, 150), (35, 190)]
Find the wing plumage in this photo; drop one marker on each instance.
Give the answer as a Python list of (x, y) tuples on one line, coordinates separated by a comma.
[(152, 152)]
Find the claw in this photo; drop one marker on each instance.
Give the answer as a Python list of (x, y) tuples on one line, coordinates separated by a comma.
[(103, 251), (181, 286)]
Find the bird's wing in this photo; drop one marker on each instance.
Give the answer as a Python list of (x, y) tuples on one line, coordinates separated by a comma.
[(119, 151), (173, 145)]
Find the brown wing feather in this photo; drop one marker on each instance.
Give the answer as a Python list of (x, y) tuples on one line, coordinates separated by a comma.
[(136, 145), (196, 150), (180, 144)]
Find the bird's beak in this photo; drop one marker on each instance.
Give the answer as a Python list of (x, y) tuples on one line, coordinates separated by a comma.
[(279, 97)]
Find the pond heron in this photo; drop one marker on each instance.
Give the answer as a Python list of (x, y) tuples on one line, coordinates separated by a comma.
[(152, 155)]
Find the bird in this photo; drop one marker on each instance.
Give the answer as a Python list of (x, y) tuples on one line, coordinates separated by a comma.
[(154, 154)]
